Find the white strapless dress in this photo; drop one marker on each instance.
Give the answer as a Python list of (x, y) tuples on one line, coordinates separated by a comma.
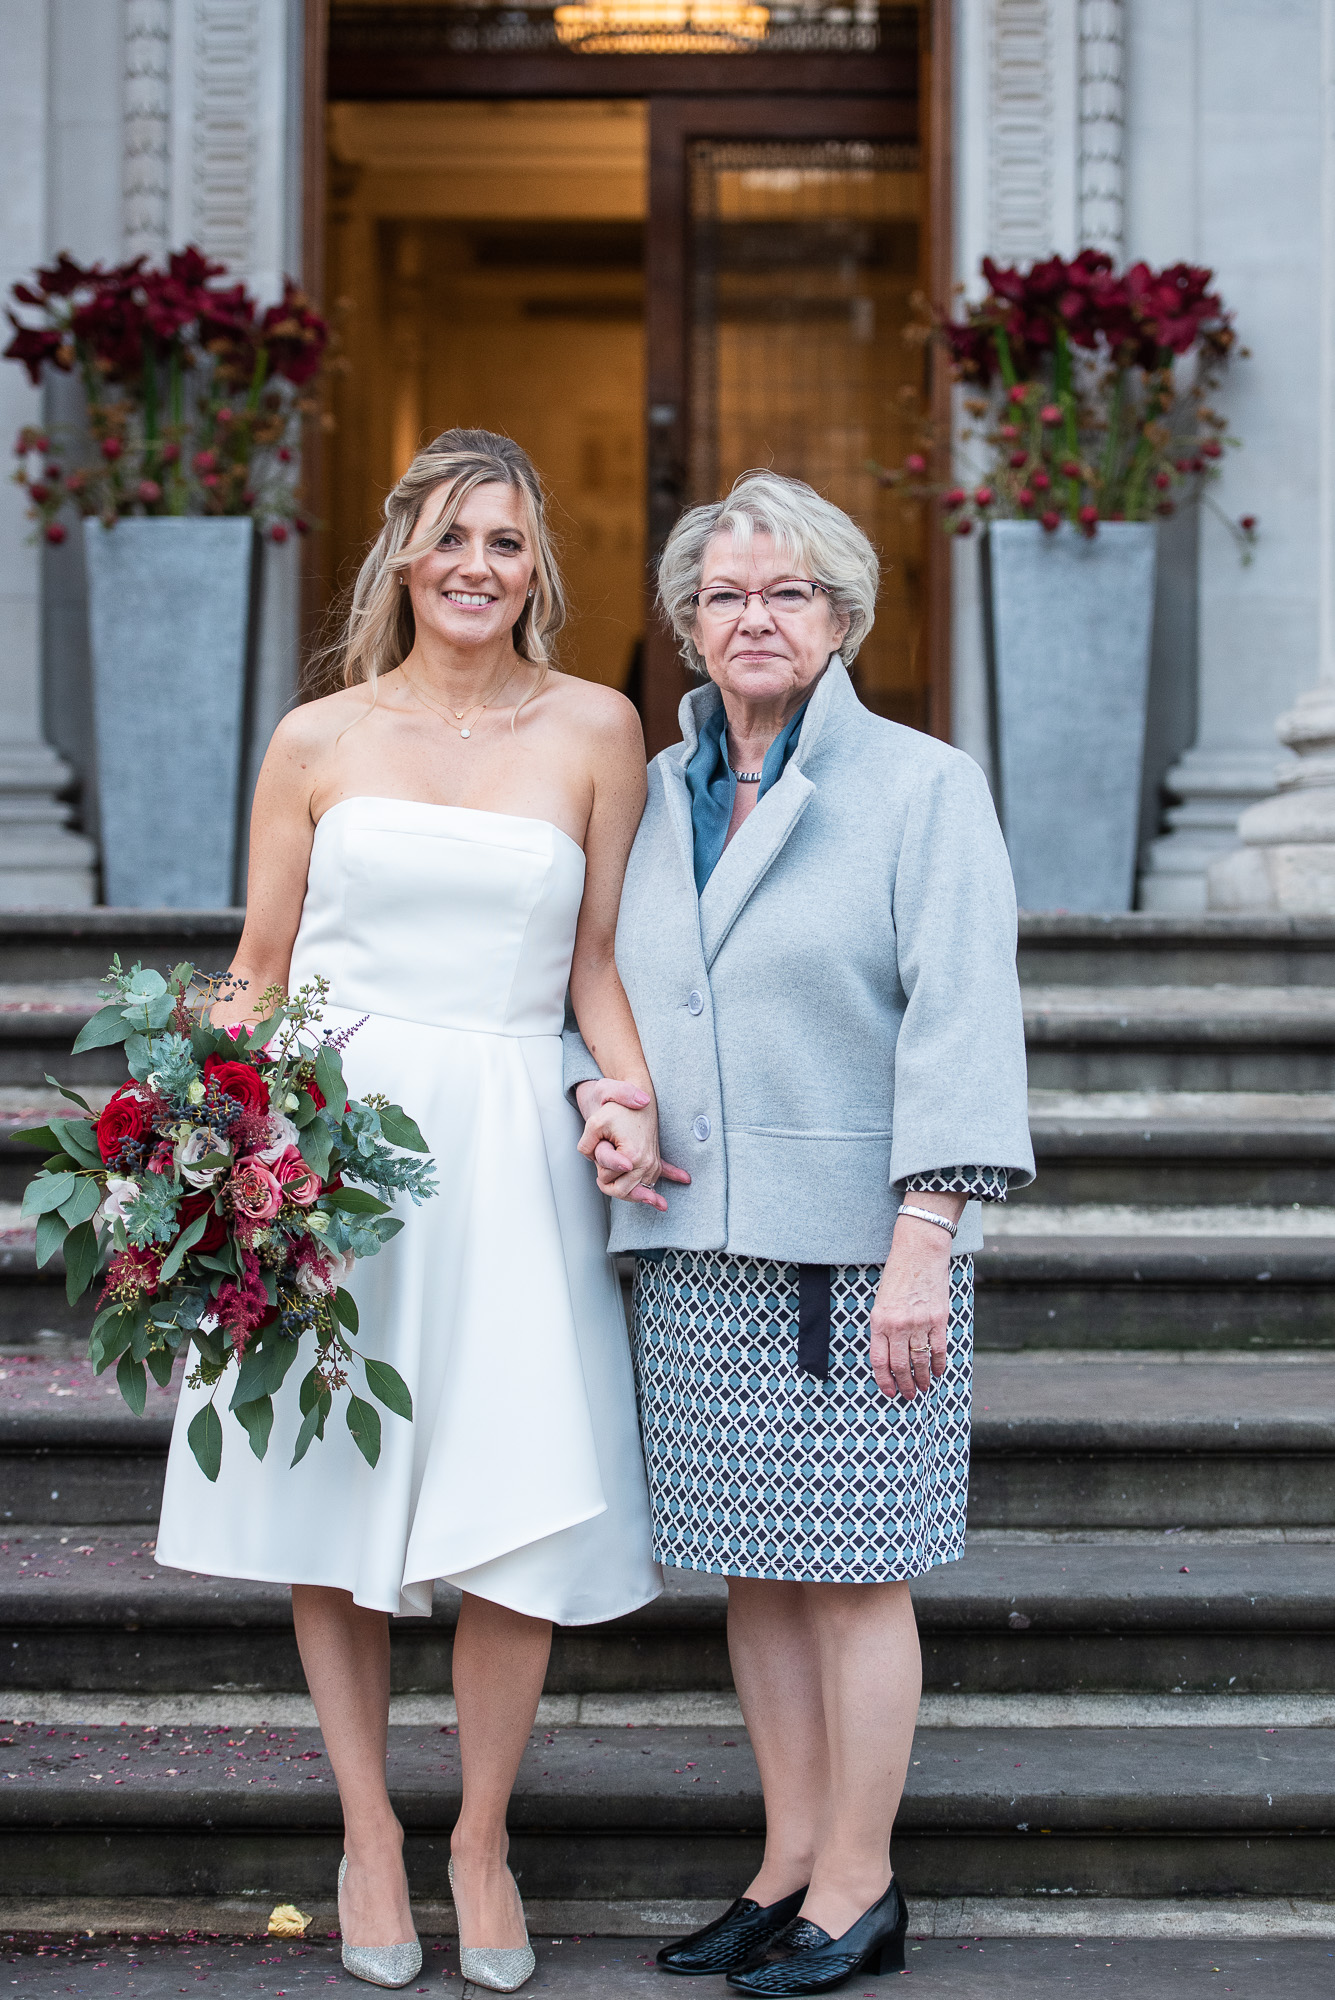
[(520, 1477)]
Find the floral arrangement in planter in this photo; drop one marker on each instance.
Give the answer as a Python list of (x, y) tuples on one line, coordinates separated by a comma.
[(1080, 387), (194, 395)]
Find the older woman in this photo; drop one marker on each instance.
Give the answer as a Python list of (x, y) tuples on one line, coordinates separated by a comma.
[(817, 937)]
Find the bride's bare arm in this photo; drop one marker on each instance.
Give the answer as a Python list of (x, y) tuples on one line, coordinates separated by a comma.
[(599, 999), (281, 830)]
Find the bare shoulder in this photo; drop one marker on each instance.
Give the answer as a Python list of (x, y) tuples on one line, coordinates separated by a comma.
[(315, 726), (601, 713)]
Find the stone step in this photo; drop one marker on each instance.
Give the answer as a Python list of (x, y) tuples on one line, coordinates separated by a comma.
[(1054, 948), (1181, 1038), (43, 945), (1140, 1278), (671, 1812), (1147, 949), (88, 1609), (1182, 1148), (1061, 1440)]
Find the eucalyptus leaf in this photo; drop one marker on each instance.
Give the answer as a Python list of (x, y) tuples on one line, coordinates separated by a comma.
[(72, 1095), (80, 1260), (185, 1241), (132, 1383), (82, 1204), (329, 1076), (309, 1425), (36, 1135), (354, 1201), (401, 1130), (346, 1308), (204, 1438), (146, 982), (48, 1191), (107, 1027), (160, 1361), (316, 1146), (364, 1423), (79, 1137), (50, 1236), (257, 1417), (388, 1387)]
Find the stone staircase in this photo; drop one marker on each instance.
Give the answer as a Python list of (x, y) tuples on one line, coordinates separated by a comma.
[(1130, 1678)]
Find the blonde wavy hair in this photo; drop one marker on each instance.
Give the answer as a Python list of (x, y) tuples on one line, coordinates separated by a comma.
[(379, 628)]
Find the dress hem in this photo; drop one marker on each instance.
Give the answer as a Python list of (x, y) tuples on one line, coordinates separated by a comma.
[(901, 1574), (396, 1610)]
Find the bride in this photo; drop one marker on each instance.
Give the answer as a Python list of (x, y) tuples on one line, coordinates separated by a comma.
[(444, 840)]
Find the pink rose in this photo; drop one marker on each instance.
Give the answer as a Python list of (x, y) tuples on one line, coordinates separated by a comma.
[(297, 1181), (256, 1195)]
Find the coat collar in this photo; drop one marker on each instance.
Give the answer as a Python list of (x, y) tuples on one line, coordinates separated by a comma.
[(748, 858)]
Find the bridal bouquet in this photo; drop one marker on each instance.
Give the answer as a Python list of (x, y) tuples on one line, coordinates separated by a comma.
[(214, 1187)]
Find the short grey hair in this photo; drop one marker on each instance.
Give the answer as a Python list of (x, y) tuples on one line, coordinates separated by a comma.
[(812, 534)]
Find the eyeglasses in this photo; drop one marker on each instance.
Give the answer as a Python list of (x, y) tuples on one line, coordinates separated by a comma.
[(790, 594)]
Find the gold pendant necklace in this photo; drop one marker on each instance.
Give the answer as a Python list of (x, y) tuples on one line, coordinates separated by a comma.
[(459, 713)]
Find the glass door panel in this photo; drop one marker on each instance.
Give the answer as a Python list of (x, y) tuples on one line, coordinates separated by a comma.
[(803, 261)]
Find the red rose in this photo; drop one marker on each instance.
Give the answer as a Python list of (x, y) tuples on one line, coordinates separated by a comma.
[(125, 1119), (238, 1081), (317, 1095), (215, 1230)]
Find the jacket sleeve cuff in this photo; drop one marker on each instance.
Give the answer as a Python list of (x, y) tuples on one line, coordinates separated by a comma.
[(978, 1183)]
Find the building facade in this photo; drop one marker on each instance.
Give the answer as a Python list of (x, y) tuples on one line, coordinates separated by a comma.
[(657, 268)]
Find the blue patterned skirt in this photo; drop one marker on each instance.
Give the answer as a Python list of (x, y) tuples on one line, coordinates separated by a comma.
[(757, 1469)]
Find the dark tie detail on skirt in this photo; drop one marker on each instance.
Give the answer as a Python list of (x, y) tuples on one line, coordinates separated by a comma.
[(813, 1320)]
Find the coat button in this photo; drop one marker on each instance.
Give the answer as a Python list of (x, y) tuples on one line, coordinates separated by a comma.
[(702, 1128), (696, 1003)]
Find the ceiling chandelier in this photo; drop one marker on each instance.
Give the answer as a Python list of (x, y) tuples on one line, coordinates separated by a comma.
[(661, 27)]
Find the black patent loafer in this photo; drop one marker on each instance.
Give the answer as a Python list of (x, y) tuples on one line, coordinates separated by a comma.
[(814, 1962), (732, 1940)]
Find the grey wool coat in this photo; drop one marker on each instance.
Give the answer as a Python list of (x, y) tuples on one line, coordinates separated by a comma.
[(839, 1009)]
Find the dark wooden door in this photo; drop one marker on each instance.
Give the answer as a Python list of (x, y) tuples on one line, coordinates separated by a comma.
[(785, 245)]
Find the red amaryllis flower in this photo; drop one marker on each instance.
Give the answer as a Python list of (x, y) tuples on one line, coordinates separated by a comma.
[(294, 336), (215, 1232), (34, 346), (237, 1080), (123, 1121)]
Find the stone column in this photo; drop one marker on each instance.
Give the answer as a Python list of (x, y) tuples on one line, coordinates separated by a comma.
[(1287, 860), (1256, 107), (41, 860)]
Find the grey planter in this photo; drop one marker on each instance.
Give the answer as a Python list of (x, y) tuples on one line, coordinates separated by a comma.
[(169, 605), (1069, 625)]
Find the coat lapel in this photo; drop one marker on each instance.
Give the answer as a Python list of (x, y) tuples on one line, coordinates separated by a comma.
[(749, 856)]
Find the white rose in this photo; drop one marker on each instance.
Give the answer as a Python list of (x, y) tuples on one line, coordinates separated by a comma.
[(120, 1194), (314, 1280), (202, 1139), (284, 1135)]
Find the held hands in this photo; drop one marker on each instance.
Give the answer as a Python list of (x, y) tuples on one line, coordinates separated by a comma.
[(621, 1138), (911, 1316)]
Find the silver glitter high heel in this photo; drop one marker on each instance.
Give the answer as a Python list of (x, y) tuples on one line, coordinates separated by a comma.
[(500, 1968), (379, 1964)]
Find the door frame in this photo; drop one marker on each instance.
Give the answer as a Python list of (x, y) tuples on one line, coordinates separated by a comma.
[(897, 103)]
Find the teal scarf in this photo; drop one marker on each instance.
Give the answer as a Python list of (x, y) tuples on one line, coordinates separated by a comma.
[(713, 786)]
